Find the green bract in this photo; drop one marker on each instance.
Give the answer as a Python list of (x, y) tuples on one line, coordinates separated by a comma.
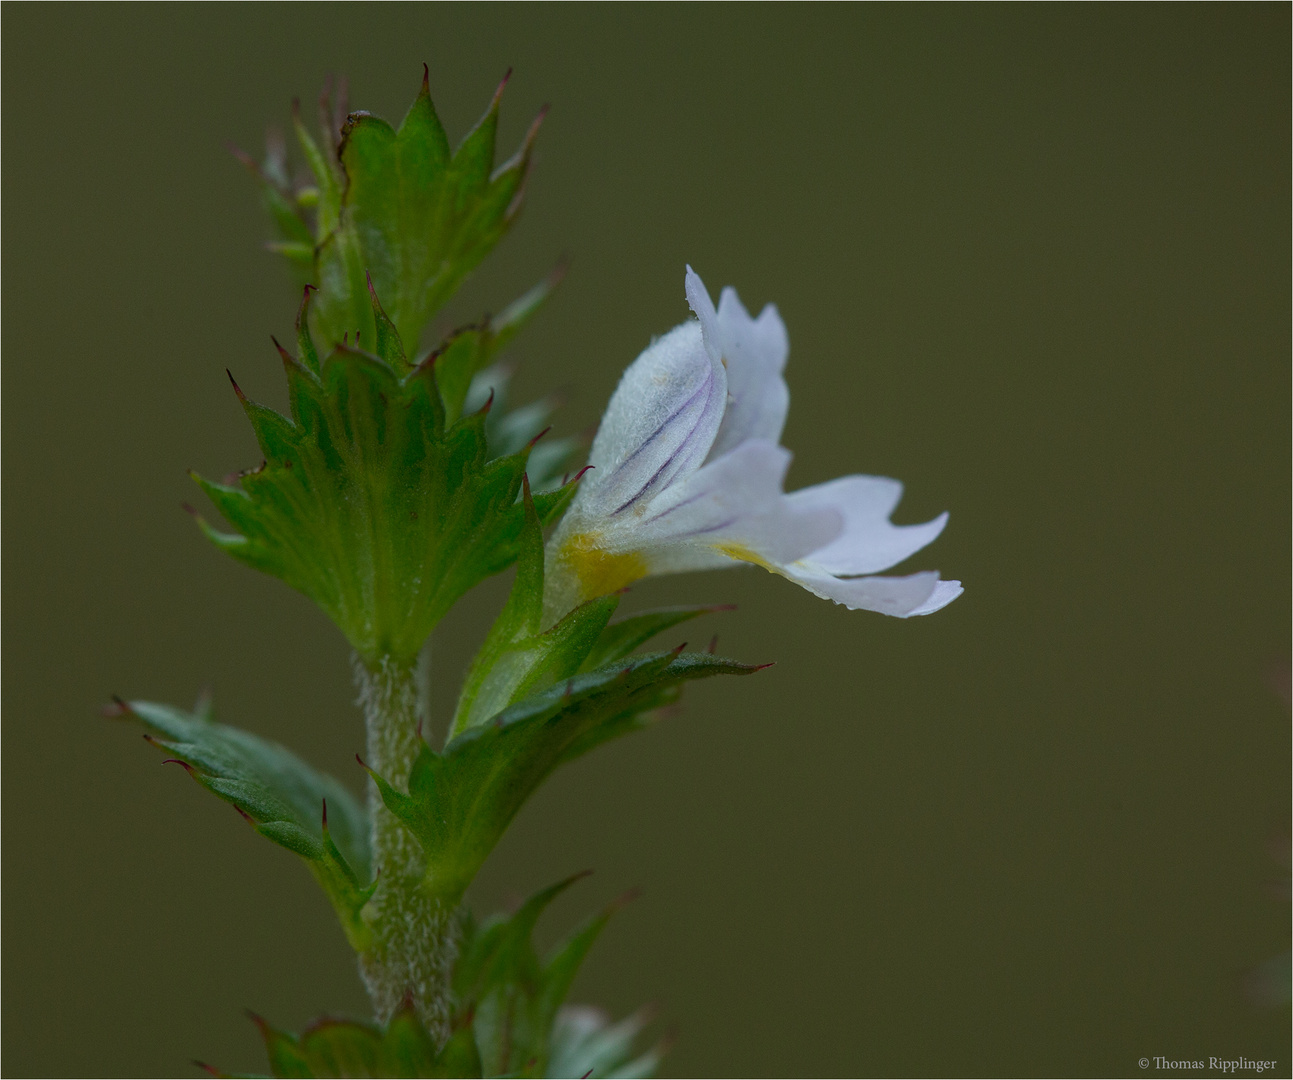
[(510, 1020), (378, 499), (278, 794), (369, 500), (514, 1000), (461, 800), (395, 204)]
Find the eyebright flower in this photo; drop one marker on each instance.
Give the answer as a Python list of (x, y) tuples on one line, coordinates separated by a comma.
[(687, 474)]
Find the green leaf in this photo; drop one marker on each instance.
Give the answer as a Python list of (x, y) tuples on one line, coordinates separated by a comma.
[(622, 637), (413, 215), (461, 800), (513, 995), (395, 204), (369, 502), (516, 660), (349, 1048), (278, 794)]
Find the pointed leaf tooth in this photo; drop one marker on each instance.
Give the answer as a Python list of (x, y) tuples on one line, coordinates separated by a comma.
[(309, 355), (520, 161), (314, 157), (288, 359), (473, 160), (421, 129), (498, 94), (388, 344), (246, 161), (114, 709)]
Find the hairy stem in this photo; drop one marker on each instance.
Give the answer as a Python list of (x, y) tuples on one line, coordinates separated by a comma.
[(413, 934)]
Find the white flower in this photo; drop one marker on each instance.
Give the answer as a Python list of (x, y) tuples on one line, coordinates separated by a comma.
[(687, 475)]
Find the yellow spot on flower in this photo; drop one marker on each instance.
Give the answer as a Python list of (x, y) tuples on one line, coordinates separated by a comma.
[(744, 554), (600, 572)]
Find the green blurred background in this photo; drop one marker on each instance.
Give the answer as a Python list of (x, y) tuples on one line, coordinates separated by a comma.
[(1034, 262)]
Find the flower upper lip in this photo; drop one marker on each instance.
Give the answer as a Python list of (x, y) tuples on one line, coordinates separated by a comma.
[(689, 475)]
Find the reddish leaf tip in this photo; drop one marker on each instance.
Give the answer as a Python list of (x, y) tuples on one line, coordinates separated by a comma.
[(325, 815), (183, 764), (580, 474), (626, 897), (559, 271), (115, 708), (210, 1070), (679, 649), (189, 509), (761, 667), (426, 80), (244, 159), (499, 92), (236, 388), (284, 355), (489, 404), (713, 645), (533, 133), (531, 443)]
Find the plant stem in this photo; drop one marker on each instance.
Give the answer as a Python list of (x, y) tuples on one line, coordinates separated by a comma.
[(414, 941)]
